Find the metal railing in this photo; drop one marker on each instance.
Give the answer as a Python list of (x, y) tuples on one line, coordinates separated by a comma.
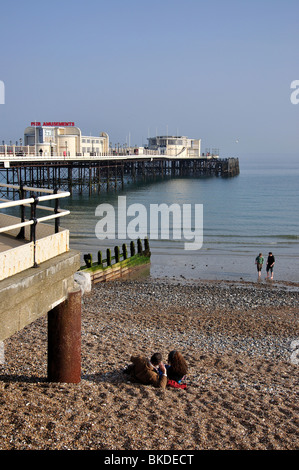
[(33, 202), (27, 152), (31, 150)]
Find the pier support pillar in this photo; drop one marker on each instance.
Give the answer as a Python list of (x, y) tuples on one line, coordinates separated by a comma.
[(64, 340)]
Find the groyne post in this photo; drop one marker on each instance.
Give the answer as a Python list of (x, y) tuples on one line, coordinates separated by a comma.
[(132, 248), (64, 340), (116, 254), (125, 251), (108, 255)]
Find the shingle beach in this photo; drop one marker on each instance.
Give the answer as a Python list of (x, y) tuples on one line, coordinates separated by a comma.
[(239, 340)]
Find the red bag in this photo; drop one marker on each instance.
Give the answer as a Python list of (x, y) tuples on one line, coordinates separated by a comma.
[(174, 384)]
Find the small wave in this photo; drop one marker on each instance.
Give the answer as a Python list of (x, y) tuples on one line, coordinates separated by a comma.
[(253, 237), (287, 237)]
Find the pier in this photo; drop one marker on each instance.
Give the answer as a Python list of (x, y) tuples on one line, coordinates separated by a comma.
[(91, 174)]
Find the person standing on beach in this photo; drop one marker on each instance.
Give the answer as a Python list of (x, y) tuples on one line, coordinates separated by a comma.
[(270, 265), (259, 261)]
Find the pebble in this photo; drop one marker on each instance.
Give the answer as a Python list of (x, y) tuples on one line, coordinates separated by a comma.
[(206, 296)]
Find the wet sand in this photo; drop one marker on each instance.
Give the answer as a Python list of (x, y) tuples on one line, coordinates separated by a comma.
[(220, 265), (242, 384)]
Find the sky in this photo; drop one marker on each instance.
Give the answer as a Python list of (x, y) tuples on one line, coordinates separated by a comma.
[(216, 70)]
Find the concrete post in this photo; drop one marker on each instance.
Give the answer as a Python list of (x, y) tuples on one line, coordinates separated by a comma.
[(64, 340)]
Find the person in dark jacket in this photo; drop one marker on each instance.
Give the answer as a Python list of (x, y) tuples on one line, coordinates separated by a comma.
[(270, 265)]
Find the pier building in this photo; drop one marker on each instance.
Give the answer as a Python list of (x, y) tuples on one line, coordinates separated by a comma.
[(175, 146), (63, 138)]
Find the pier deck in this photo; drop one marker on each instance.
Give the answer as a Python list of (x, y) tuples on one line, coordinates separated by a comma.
[(7, 242)]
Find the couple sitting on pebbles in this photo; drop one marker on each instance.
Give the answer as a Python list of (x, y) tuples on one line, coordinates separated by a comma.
[(153, 372)]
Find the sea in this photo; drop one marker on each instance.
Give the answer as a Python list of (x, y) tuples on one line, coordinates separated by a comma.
[(231, 220)]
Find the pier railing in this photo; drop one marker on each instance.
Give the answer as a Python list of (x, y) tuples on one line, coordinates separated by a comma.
[(38, 244), (31, 151), (14, 152)]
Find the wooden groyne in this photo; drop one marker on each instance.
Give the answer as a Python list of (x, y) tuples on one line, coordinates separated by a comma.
[(121, 263), (111, 173)]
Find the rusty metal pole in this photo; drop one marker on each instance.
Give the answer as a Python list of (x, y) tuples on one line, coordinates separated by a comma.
[(64, 340)]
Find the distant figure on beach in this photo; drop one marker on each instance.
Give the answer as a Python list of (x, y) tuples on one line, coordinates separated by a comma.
[(259, 261), (176, 369), (270, 265), (148, 371)]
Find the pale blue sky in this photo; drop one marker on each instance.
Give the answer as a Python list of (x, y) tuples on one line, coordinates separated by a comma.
[(216, 70)]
